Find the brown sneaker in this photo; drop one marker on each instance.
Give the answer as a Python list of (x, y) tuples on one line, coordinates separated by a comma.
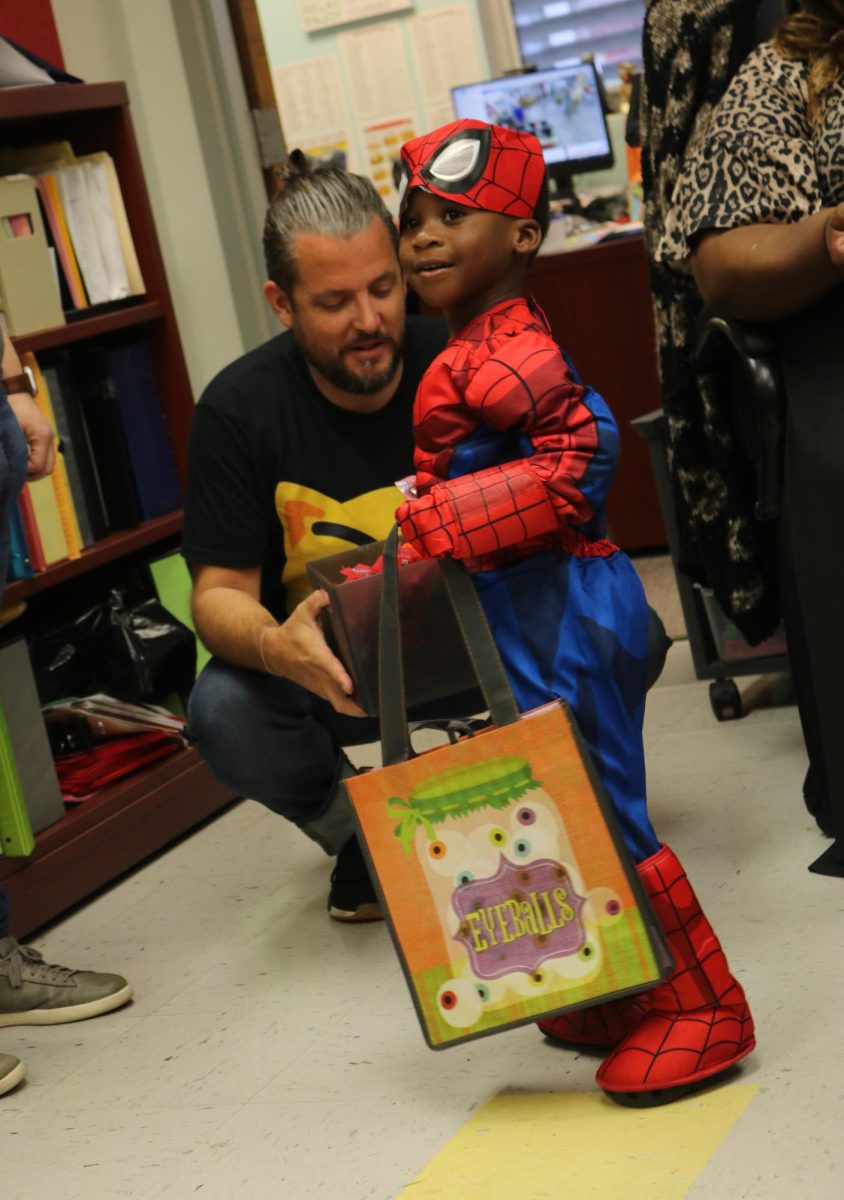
[(33, 992)]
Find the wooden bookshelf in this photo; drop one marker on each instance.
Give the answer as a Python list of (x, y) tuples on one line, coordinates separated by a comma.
[(113, 831), (115, 546), (138, 313)]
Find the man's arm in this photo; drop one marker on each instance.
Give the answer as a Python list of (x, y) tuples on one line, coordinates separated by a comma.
[(234, 625), (764, 272), (35, 427)]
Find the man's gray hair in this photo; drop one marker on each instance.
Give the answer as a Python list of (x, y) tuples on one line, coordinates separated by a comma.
[(324, 200)]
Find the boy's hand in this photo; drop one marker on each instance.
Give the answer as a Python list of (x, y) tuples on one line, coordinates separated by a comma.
[(421, 524)]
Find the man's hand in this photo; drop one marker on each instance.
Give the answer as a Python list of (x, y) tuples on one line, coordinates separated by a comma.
[(39, 436), (834, 234), (298, 650)]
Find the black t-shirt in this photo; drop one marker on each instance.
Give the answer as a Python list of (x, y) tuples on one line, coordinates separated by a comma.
[(279, 476)]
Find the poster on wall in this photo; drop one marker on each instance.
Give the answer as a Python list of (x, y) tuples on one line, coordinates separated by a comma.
[(310, 99), (382, 141), (326, 14), (378, 71), (445, 47)]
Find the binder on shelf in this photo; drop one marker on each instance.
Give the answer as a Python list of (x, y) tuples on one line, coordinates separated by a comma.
[(30, 159), (16, 839), (48, 192), (29, 292), (58, 478), (81, 472), (27, 733), (153, 468), (81, 222), (105, 227), (48, 520), (100, 410), (30, 529), (20, 562), (121, 221)]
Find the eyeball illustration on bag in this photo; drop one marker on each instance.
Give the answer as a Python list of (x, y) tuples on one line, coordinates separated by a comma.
[(500, 867)]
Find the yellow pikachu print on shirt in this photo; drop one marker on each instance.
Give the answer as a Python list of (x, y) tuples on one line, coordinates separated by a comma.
[(316, 525)]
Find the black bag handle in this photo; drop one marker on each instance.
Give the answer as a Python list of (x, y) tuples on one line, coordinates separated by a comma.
[(483, 653)]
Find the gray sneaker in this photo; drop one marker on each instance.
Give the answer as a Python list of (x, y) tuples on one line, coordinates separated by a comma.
[(33, 992), (12, 1071)]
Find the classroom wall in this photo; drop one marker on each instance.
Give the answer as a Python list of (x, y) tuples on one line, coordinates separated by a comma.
[(136, 42), (287, 44)]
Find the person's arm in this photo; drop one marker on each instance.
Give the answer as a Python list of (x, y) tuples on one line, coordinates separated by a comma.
[(234, 625), (35, 427), (524, 388), (764, 272)]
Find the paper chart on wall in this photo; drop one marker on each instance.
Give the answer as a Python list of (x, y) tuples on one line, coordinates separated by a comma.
[(310, 98), (445, 47), (382, 141), (378, 71), (324, 14)]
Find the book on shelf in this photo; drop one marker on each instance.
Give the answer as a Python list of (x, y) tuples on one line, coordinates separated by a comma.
[(101, 161), (30, 530), (48, 193), (144, 431), (41, 496), (100, 410), (84, 212), (58, 477), (20, 560), (81, 223), (30, 297), (28, 743), (81, 469), (16, 839)]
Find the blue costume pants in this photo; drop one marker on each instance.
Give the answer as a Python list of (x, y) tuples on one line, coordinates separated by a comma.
[(578, 628)]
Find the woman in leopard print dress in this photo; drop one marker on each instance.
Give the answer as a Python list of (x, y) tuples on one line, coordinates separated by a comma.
[(758, 216)]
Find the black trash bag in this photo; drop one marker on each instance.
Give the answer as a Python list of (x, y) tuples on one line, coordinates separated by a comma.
[(134, 650)]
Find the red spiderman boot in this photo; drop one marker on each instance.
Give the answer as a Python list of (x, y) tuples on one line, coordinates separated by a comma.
[(698, 1023), (599, 1025)]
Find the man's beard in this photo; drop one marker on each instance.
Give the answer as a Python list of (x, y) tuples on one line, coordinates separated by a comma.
[(363, 383)]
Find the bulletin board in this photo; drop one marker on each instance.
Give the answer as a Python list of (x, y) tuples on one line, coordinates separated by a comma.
[(352, 90)]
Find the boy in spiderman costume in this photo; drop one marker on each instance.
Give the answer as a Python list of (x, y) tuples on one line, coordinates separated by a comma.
[(514, 458)]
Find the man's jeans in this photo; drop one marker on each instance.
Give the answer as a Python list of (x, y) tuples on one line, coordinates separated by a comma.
[(268, 738), (264, 737)]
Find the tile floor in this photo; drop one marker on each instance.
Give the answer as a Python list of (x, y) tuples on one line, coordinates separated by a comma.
[(271, 1053)]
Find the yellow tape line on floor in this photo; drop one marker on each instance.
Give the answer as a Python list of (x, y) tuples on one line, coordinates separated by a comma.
[(580, 1146)]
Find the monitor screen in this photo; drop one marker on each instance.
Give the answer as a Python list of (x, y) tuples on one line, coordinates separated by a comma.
[(562, 107)]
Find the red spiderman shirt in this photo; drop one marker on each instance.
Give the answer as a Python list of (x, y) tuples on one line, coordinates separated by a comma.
[(513, 454)]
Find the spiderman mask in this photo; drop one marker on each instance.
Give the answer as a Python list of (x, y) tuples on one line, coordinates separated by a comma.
[(481, 166)]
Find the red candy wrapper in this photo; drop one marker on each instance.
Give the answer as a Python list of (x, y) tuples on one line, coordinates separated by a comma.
[(406, 554)]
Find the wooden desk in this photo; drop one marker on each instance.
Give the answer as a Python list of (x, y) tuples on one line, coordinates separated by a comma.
[(599, 305)]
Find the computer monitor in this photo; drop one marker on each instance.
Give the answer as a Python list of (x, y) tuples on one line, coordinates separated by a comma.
[(563, 107)]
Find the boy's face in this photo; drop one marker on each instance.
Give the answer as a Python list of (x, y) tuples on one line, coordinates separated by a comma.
[(463, 260)]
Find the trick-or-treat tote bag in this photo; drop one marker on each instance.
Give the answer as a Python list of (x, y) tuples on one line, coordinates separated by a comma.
[(506, 885)]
